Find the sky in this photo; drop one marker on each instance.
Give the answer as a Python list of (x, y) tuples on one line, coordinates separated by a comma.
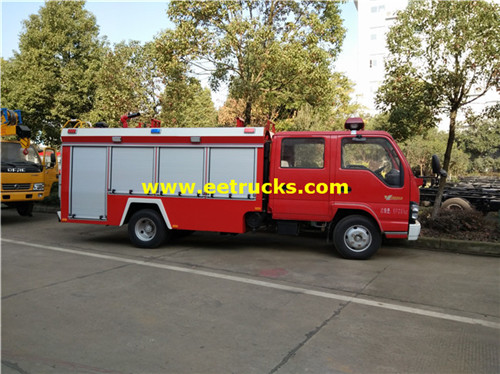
[(142, 21)]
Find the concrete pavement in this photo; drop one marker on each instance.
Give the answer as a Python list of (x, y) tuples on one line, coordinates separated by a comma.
[(81, 299)]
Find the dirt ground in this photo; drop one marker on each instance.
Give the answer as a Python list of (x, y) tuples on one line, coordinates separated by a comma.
[(461, 225)]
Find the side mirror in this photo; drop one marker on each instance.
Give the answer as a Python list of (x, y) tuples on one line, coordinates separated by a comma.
[(49, 158), (436, 167)]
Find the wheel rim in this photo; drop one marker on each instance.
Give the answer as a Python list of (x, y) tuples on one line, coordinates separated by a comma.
[(455, 207), (145, 229), (357, 238)]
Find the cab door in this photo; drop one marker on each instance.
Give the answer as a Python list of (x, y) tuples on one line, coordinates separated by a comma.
[(372, 168), (50, 170), (300, 161)]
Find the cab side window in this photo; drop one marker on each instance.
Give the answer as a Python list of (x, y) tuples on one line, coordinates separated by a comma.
[(376, 155), (303, 153)]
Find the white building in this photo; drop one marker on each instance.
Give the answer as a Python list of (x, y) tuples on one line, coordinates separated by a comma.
[(375, 17)]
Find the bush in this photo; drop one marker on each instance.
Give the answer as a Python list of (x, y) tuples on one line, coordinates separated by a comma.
[(462, 225)]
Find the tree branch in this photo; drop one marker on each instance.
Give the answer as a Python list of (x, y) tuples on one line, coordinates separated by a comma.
[(486, 89)]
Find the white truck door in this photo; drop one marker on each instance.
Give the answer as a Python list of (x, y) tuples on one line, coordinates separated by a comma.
[(88, 183), (182, 165), (233, 164), (130, 168)]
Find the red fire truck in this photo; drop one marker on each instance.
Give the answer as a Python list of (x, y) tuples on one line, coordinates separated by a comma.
[(355, 185)]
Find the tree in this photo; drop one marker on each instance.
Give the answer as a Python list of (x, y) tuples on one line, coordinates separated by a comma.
[(480, 138), (443, 56), (201, 112), (232, 108), (410, 110), (420, 148), (326, 117), (304, 118), (8, 75), (272, 52), (186, 104), (129, 81), (52, 78)]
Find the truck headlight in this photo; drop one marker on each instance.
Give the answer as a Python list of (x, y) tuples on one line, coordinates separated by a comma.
[(413, 211), (38, 187)]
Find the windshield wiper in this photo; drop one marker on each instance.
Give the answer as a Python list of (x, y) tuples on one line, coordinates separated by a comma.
[(9, 163), (30, 163)]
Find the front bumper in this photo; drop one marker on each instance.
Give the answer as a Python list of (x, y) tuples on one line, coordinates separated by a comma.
[(17, 196), (414, 231)]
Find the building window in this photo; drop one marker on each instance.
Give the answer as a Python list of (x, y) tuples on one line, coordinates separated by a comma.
[(375, 9)]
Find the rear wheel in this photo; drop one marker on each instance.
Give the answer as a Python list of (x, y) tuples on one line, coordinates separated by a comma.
[(456, 203), (147, 229), (356, 237)]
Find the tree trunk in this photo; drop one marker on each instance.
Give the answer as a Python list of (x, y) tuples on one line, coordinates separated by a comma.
[(446, 163), (248, 112)]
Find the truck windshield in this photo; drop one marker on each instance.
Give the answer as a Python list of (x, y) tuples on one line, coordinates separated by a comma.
[(12, 153), (376, 155)]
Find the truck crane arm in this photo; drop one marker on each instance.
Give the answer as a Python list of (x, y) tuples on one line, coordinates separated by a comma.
[(12, 124)]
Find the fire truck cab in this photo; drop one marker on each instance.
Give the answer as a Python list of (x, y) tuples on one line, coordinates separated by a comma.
[(355, 185)]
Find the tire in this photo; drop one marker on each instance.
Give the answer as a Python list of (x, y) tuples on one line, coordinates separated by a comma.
[(457, 203), (147, 229), (25, 209), (356, 237)]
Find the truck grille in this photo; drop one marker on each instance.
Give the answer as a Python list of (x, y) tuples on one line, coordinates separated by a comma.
[(15, 186)]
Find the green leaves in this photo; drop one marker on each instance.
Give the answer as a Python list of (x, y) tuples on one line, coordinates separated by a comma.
[(274, 56), (129, 81), (479, 136), (274, 53), (186, 104), (52, 78), (441, 54)]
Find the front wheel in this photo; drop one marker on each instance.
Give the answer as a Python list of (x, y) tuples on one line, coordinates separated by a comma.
[(25, 209), (147, 229), (356, 237)]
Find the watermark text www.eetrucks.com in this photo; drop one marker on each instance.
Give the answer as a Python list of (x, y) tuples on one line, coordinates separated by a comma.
[(236, 188)]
